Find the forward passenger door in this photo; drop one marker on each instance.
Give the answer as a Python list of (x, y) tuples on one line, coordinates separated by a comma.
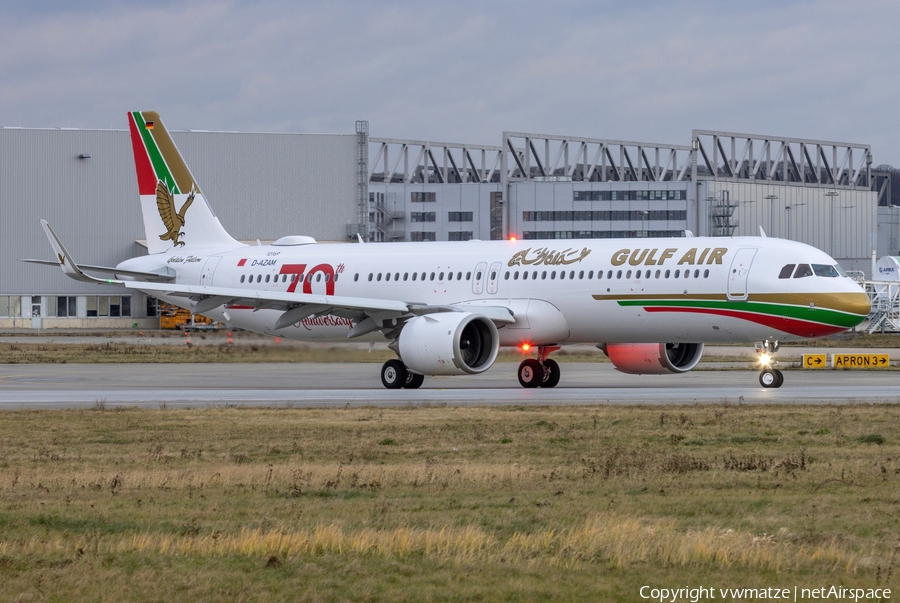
[(478, 278), (493, 278)]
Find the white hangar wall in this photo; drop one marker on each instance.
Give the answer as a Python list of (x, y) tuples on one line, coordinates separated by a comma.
[(841, 222), (83, 182)]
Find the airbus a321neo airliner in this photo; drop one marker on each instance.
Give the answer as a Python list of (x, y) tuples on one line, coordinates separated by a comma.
[(446, 308)]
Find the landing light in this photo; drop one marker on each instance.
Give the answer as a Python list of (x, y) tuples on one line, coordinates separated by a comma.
[(526, 347), (765, 359)]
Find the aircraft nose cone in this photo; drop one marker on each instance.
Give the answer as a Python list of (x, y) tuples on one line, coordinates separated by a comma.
[(855, 303)]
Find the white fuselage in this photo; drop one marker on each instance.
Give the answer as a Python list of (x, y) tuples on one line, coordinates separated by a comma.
[(559, 290)]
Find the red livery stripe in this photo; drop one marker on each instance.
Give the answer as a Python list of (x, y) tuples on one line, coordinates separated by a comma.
[(146, 176), (242, 262), (801, 328)]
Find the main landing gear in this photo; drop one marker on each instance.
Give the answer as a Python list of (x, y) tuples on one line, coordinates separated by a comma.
[(395, 375), (769, 377), (540, 372)]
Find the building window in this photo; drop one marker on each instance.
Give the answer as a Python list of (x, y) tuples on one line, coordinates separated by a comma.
[(628, 195), (62, 306), (422, 216), (459, 235), (10, 306), (103, 306), (459, 216), (602, 215), (599, 234), (423, 197), (422, 236)]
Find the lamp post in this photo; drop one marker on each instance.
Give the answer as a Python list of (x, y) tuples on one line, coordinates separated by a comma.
[(789, 209), (832, 195)]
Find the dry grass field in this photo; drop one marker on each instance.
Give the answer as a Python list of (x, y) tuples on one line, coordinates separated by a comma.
[(444, 504)]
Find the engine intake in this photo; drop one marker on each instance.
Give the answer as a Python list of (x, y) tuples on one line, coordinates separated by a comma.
[(449, 343), (653, 358)]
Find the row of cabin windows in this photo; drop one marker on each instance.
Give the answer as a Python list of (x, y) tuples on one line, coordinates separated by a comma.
[(535, 274), (259, 278), (415, 276), (618, 274), (542, 274)]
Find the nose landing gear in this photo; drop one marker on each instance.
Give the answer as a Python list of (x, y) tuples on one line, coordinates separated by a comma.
[(770, 376), (543, 372)]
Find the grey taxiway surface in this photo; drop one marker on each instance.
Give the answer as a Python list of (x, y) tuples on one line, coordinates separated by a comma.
[(339, 385)]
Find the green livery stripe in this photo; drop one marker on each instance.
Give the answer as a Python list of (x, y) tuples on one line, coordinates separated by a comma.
[(156, 158), (811, 314)]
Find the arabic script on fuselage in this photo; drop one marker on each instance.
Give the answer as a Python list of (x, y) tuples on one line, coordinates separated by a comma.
[(548, 257)]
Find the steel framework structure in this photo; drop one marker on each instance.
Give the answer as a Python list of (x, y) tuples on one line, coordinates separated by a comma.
[(412, 161), (531, 156), (753, 158)]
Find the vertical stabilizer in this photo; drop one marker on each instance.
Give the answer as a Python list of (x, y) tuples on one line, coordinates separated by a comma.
[(175, 211)]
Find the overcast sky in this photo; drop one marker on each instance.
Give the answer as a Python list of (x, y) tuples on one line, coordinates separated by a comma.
[(461, 71)]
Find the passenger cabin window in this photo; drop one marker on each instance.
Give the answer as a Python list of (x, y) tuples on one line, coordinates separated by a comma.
[(787, 271), (803, 270), (243, 276)]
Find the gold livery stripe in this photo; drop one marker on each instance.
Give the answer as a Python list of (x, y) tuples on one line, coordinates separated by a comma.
[(852, 303)]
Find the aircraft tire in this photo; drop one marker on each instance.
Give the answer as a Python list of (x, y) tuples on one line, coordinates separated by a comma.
[(531, 373), (779, 378), (551, 373), (393, 374), (768, 378), (413, 380)]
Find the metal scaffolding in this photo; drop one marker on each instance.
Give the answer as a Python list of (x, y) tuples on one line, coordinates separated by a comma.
[(543, 157), (885, 313), (412, 161), (753, 158)]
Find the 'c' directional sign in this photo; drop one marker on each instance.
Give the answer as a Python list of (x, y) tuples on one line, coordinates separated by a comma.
[(860, 360), (814, 361)]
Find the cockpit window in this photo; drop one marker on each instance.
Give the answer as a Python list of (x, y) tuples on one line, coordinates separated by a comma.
[(787, 271), (803, 270), (825, 270)]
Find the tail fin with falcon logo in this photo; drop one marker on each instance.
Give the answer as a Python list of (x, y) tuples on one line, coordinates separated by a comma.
[(175, 211)]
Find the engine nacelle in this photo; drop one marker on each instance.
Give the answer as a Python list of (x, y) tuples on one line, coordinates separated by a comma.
[(653, 358), (449, 343)]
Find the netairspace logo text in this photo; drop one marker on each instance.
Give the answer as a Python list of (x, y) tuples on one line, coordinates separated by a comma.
[(710, 593)]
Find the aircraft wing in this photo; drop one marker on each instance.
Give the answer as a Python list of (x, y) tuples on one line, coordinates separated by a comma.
[(368, 314)]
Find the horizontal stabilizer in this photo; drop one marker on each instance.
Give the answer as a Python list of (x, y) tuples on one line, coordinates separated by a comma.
[(153, 277)]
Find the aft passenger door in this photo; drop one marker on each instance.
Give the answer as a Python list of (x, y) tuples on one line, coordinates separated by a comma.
[(209, 269), (740, 271)]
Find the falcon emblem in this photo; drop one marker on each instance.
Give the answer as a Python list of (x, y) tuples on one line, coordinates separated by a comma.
[(173, 221)]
